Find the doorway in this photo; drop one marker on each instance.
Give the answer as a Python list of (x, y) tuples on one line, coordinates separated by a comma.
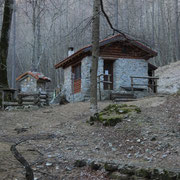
[(108, 70)]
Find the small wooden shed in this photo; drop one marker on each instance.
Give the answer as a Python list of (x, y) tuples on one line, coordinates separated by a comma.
[(120, 60), (32, 82)]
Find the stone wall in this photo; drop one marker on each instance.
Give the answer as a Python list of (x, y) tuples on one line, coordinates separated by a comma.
[(67, 88), (28, 85), (85, 76), (123, 69), (85, 80), (41, 86)]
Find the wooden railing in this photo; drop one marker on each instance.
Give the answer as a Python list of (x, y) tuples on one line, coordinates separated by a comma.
[(99, 81), (151, 86)]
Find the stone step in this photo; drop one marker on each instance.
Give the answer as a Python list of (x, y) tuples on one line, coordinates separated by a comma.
[(123, 100), (114, 97), (122, 96)]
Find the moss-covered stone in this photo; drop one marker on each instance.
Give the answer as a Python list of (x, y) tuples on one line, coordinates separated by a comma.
[(168, 175), (118, 176), (136, 178), (155, 173), (138, 110), (146, 173), (95, 166), (80, 163), (114, 113), (127, 169), (111, 167), (110, 120), (94, 118), (132, 172)]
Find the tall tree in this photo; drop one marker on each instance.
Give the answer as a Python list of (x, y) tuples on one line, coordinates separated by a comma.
[(13, 74), (177, 38), (4, 41), (116, 14), (36, 33), (95, 56)]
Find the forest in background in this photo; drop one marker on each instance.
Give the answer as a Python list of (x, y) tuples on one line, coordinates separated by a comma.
[(42, 30)]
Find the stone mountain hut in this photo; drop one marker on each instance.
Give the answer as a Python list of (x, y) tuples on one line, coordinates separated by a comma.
[(120, 58), (32, 82)]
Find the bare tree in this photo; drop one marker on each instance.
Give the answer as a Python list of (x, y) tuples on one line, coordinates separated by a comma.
[(116, 14), (13, 78), (177, 29), (95, 56), (59, 24)]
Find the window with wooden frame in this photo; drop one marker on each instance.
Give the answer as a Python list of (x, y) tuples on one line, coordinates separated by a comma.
[(76, 80)]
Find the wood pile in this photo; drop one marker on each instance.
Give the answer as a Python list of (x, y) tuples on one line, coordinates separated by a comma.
[(33, 99)]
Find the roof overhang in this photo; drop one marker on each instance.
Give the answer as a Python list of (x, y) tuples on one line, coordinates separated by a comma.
[(87, 50), (35, 75)]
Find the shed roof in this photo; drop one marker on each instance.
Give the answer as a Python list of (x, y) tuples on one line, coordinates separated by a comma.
[(84, 51), (36, 75)]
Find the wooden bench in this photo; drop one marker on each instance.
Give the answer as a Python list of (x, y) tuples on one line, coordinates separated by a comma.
[(151, 86)]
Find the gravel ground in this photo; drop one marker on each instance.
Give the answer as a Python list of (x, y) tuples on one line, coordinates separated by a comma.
[(150, 139)]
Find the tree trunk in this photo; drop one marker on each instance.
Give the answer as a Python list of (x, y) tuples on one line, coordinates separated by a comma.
[(177, 39), (153, 22), (34, 23), (13, 74), (38, 35), (4, 41), (95, 56), (116, 14)]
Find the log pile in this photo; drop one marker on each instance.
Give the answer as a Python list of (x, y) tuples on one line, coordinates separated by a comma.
[(33, 99)]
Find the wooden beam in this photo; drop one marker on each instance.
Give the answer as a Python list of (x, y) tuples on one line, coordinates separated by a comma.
[(119, 57), (144, 77)]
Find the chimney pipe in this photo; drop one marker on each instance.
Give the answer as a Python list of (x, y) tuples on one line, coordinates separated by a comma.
[(70, 51)]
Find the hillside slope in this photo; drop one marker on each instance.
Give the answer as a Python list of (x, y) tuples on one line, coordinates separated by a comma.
[(149, 139), (169, 78)]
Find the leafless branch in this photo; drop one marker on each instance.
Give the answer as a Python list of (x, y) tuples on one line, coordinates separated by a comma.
[(109, 22)]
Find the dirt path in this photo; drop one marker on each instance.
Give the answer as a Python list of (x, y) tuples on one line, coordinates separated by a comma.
[(151, 138)]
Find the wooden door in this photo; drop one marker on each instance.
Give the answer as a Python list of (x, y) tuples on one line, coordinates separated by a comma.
[(76, 86), (108, 69)]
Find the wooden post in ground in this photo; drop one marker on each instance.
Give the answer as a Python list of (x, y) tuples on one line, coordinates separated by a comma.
[(132, 88), (99, 83), (47, 99), (155, 86), (109, 80)]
